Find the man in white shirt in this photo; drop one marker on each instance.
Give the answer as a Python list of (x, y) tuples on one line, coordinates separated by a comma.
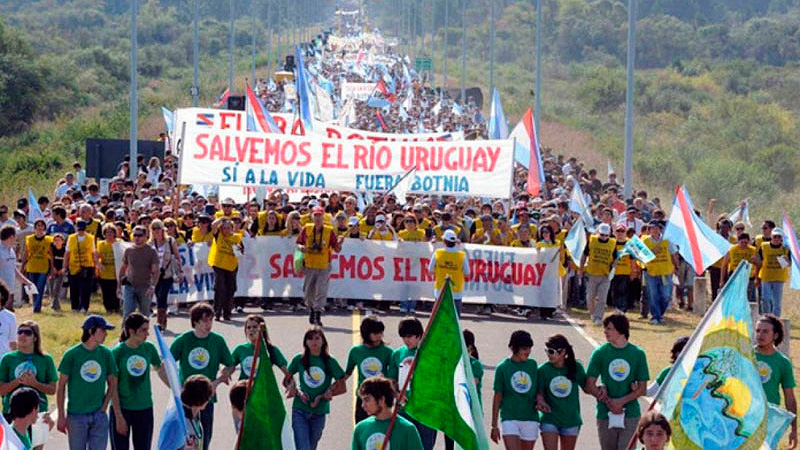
[(631, 220)]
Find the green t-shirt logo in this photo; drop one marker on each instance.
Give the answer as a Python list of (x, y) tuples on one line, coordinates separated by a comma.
[(371, 367), (314, 377), (136, 366), (764, 371), (375, 441), (619, 369), (561, 386), (23, 367), (521, 382), (91, 371), (199, 358), (247, 365)]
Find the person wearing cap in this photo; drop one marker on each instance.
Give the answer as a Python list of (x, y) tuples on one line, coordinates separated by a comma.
[(81, 258), (225, 263), (317, 241), (36, 260), (354, 228), (772, 261), (631, 219), (87, 382), (449, 262), (597, 259), (658, 277), (382, 231), (227, 209), (741, 251)]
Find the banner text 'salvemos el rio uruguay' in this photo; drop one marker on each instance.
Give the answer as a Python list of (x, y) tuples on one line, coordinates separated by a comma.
[(240, 158)]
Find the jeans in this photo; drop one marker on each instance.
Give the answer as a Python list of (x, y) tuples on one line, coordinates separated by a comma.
[(715, 274), (224, 289), (87, 431), (132, 299), (39, 279), (140, 429), (771, 295), (207, 420), (426, 435), (80, 290), (162, 292), (307, 429), (57, 291), (110, 299), (659, 293)]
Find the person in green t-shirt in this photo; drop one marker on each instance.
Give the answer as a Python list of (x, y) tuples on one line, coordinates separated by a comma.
[(675, 351), (201, 351), (622, 367), (321, 377), (774, 368), (84, 372), (243, 355), (371, 357), (23, 411), (29, 367), (135, 356), (557, 385), (410, 330), (377, 396), (515, 395)]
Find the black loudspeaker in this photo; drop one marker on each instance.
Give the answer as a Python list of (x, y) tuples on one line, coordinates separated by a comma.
[(103, 156), (289, 64), (236, 102)]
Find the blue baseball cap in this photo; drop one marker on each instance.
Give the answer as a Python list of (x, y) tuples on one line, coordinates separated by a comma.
[(95, 321)]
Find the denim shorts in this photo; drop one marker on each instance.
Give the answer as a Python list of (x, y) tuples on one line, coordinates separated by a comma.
[(561, 431)]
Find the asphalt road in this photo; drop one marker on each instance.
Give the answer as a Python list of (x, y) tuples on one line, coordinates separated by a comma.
[(286, 331)]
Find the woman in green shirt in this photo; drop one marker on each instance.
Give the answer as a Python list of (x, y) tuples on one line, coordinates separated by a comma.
[(515, 396), (134, 356), (321, 377), (28, 367), (372, 357), (558, 381), (774, 368), (243, 353)]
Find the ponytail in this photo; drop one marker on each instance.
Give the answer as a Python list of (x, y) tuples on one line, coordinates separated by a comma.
[(559, 342)]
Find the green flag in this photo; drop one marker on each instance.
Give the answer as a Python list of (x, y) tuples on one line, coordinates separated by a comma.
[(266, 424), (442, 391)]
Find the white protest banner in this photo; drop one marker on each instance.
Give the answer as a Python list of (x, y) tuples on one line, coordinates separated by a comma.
[(221, 119), (376, 270), (242, 195), (240, 158), (358, 91)]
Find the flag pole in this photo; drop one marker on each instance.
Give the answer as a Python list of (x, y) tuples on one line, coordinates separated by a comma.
[(251, 377), (414, 363), (395, 185)]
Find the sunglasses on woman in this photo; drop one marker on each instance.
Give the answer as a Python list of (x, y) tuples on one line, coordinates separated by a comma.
[(25, 331), (553, 351)]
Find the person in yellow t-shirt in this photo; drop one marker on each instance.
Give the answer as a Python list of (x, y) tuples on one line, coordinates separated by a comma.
[(382, 231), (106, 268), (773, 262), (81, 259), (523, 238), (660, 270), (202, 231), (502, 234), (742, 251), (317, 241), (450, 262), (484, 230), (411, 231), (36, 260), (596, 261), (624, 272), (225, 263)]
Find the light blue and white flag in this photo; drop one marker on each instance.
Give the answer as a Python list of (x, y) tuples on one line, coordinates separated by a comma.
[(498, 125), (741, 213), (575, 242)]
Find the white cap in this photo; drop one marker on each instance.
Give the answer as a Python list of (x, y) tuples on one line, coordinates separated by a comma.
[(603, 228), (380, 218), (354, 220), (450, 235), (777, 231)]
